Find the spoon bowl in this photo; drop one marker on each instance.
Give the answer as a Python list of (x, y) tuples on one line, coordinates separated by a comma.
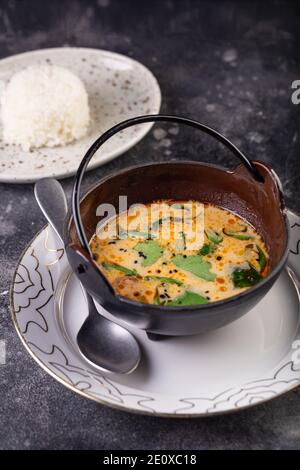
[(94, 340)]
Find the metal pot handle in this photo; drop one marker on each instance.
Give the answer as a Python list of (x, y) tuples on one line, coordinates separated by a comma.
[(131, 122)]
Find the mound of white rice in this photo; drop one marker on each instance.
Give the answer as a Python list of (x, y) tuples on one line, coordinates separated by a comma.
[(44, 105)]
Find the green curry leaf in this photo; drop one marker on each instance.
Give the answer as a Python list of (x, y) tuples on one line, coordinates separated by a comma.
[(195, 265), (122, 269), (213, 235), (160, 221), (246, 277), (137, 234), (262, 259), (180, 206), (188, 298), (150, 251), (237, 234), (167, 280), (123, 234), (207, 249)]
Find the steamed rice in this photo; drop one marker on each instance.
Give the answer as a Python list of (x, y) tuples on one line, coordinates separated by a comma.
[(44, 105)]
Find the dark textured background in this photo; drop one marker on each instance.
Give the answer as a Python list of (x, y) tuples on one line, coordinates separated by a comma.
[(229, 64)]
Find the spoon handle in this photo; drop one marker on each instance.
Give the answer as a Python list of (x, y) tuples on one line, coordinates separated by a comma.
[(53, 203), (52, 200)]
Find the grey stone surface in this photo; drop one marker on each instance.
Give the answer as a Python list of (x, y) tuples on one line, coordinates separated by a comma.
[(229, 64)]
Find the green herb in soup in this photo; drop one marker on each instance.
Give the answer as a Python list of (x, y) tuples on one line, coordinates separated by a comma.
[(246, 277), (150, 251), (262, 258), (122, 269), (195, 265), (188, 298), (143, 264), (164, 280), (207, 249), (213, 235)]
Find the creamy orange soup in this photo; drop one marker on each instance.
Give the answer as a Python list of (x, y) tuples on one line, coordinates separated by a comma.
[(147, 266)]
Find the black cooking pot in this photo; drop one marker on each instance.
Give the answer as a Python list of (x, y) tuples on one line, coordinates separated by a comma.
[(251, 190)]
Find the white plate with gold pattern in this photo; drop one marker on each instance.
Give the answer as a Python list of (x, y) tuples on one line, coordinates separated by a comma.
[(118, 87), (247, 362)]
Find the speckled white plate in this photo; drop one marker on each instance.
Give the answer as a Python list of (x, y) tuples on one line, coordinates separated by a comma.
[(118, 88), (247, 362)]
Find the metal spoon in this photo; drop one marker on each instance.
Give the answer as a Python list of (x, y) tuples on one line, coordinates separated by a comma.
[(102, 342)]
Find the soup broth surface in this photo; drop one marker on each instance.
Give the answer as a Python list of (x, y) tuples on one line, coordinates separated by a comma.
[(155, 264)]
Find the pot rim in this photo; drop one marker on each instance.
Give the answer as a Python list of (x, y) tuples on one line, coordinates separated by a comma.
[(190, 310)]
